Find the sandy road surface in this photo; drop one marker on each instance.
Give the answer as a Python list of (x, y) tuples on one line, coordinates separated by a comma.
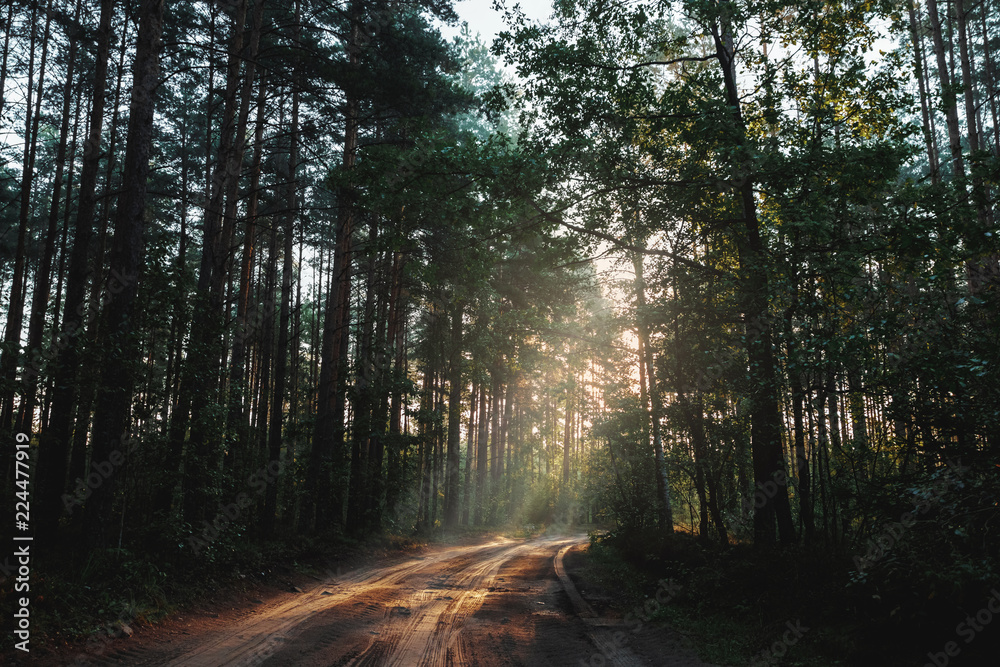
[(504, 602)]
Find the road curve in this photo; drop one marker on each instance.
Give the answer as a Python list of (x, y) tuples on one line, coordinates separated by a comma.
[(503, 602), (410, 632)]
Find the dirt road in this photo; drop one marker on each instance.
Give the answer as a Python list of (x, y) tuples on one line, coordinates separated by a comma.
[(505, 602)]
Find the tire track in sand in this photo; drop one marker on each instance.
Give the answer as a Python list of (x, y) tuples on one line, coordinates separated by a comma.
[(431, 635), (254, 639)]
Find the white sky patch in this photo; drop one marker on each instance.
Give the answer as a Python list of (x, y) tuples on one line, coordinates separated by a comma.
[(488, 22)]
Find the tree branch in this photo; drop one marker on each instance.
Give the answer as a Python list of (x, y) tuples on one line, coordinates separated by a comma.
[(618, 243)]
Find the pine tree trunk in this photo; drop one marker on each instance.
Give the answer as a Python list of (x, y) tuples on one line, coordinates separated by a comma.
[(376, 496), (15, 308), (362, 426), (8, 28), (424, 444), (237, 423), (207, 347), (947, 93), (77, 314), (438, 475), (470, 452), (567, 439), (482, 490), (328, 437), (397, 339), (859, 420), (802, 462), (991, 93), (452, 492), (918, 69), (765, 418), (89, 372), (165, 485), (979, 270), (665, 513), (968, 89), (284, 317), (496, 393), (43, 287), (119, 370), (508, 405)]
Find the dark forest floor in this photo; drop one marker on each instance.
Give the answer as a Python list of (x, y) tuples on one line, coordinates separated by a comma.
[(796, 606)]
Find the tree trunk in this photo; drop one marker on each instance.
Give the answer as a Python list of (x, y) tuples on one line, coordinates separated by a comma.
[(979, 269), (397, 341), (918, 69), (567, 438), (765, 418), (802, 462), (77, 314), (207, 347), (43, 287), (111, 420), (859, 420), (328, 437), (452, 492), (482, 490), (204, 353), (375, 498), (947, 93), (508, 405), (362, 402), (281, 358), (237, 422), (15, 307), (163, 499), (991, 93), (967, 86), (424, 445), (437, 476), (494, 443), (90, 371), (8, 28), (664, 505), (469, 455)]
